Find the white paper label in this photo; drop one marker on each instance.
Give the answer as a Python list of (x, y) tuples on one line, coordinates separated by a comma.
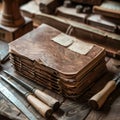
[(63, 39), (73, 44)]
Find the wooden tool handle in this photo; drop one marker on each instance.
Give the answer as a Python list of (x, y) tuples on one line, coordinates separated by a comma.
[(98, 100), (47, 99), (42, 108)]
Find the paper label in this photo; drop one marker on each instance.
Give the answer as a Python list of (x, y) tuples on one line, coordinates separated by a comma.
[(73, 43), (63, 39), (81, 47)]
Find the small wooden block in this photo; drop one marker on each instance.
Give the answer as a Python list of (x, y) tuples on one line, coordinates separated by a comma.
[(9, 34), (49, 6)]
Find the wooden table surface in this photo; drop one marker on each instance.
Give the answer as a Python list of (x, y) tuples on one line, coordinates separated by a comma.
[(69, 109)]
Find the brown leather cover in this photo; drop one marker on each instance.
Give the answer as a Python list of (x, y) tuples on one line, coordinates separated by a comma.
[(38, 46), (38, 57)]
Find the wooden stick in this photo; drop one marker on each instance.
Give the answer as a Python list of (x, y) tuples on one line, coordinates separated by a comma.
[(42, 108), (52, 102), (99, 99)]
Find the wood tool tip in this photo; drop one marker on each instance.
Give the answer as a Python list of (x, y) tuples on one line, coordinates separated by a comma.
[(93, 104), (48, 113), (56, 106)]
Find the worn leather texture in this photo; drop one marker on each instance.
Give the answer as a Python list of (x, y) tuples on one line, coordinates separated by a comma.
[(39, 58)]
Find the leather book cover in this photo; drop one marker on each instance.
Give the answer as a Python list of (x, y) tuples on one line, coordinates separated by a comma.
[(50, 57), (39, 46)]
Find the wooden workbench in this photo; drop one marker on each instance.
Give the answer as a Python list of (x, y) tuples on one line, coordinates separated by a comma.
[(69, 109)]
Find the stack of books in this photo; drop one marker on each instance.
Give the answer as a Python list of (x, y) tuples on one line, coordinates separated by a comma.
[(57, 61)]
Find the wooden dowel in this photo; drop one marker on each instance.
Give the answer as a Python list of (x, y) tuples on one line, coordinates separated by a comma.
[(47, 99), (99, 99), (42, 108)]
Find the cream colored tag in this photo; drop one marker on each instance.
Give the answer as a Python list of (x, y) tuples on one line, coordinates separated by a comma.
[(63, 39), (73, 44), (80, 47)]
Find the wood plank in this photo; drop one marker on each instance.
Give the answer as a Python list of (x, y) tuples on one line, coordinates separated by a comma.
[(73, 110)]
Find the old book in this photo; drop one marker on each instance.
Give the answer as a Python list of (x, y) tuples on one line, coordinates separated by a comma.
[(98, 21), (108, 8), (56, 60)]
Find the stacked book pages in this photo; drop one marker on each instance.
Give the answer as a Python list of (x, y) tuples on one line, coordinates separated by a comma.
[(57, 61)]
